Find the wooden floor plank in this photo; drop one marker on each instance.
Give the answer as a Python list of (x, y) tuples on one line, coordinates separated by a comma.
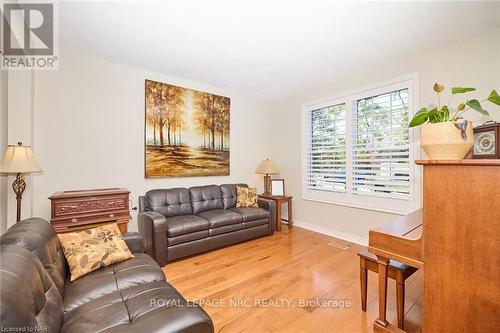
[(274, 284)]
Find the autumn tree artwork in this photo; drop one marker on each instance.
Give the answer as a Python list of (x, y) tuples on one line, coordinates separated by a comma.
[(187, 132)]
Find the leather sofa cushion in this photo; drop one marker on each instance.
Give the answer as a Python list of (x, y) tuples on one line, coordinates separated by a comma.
[(148, 307), (225, 229), (251, 213), (205, 198), (187, 237), (185, 224), (138, 270), (29, 297), (219, 218), (37, 235), (169, 202), (229, 194)]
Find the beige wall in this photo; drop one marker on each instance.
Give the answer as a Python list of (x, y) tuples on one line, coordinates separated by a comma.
[(473, 62), (18, 107), (20, 129), (3, 145), (16, 126), (89, 130)]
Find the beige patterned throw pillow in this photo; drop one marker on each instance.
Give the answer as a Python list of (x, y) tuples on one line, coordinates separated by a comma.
[(246, 197), (91, 249)]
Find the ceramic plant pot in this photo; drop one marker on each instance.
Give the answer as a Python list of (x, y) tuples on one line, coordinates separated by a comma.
[(444, 141)]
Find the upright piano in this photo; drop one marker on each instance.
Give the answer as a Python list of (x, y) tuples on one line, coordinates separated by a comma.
[(455, 238)]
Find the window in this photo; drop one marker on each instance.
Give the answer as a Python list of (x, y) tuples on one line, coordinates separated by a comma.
[(381, 145), (326, 160), (358, 150)]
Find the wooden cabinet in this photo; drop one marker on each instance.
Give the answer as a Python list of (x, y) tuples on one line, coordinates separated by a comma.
[(461, 220), (458, 247), (83, 209)]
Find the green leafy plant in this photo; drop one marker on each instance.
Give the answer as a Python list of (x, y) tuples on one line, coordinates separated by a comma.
[(441, 114)]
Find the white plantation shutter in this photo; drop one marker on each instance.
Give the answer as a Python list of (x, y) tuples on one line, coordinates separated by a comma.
[(381, 146), (326, 149), (358, 150)]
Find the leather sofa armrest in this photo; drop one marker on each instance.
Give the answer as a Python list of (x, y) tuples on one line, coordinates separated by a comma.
[(134, 242), (153, 229), (270, 206), (142, 204)]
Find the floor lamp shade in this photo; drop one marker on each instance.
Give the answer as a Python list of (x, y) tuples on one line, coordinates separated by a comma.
[(19, 159), (267, 168)]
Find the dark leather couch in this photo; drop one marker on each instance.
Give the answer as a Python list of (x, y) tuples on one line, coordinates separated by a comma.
[(180, 222), (131, 296)]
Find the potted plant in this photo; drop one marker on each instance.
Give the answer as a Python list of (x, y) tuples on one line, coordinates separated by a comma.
[(445, 134)]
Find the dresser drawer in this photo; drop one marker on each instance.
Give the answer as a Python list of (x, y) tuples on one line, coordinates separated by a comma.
[(91, 218), (64, 227)]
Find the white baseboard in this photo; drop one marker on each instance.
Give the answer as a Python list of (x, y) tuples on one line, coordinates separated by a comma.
[(331, 232)]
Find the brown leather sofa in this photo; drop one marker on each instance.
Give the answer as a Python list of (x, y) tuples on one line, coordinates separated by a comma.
[(180, 222), (131, 296)]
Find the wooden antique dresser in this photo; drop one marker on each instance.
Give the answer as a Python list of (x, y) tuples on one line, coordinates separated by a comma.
[(84, 209)]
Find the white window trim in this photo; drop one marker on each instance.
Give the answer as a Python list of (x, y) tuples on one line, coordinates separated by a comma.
[(388, 205)]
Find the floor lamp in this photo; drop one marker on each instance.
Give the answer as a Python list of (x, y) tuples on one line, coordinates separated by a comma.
[(19, 160)]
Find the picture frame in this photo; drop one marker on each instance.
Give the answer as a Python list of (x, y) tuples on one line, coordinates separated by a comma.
[(278, 187), (186, 132)]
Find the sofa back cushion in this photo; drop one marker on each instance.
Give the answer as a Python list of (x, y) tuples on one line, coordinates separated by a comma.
[(205, 198), (37, 236), (30, 299), (229, 194), (169, 202)]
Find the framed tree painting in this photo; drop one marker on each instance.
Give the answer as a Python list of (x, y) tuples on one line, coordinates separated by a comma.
[(186, 132)]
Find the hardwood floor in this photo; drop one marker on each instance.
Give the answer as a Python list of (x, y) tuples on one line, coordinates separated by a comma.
[(263, 285)]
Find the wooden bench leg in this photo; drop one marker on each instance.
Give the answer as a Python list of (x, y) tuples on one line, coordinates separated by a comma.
[(382, 292), (400, 300), (363, 276)]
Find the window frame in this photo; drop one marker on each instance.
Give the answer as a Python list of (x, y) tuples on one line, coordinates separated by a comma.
[(389, 205)]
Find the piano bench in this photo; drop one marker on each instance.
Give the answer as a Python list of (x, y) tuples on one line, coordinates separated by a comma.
[(395, 270)]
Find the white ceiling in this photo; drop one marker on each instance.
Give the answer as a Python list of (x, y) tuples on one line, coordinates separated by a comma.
[(268, 49)]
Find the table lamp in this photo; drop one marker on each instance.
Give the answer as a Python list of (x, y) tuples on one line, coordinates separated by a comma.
[(267, 168), (19, 159)]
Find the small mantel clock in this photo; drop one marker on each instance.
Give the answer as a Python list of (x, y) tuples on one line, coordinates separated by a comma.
[(487, 140)]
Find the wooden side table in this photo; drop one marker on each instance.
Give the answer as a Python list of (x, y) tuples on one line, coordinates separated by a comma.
[(279, 200)]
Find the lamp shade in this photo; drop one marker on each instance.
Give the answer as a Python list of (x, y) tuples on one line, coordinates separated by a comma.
[(19, 159), (267, 167)]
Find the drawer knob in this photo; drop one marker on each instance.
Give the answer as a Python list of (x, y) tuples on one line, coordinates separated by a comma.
[(111, 216), (74, 220)]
